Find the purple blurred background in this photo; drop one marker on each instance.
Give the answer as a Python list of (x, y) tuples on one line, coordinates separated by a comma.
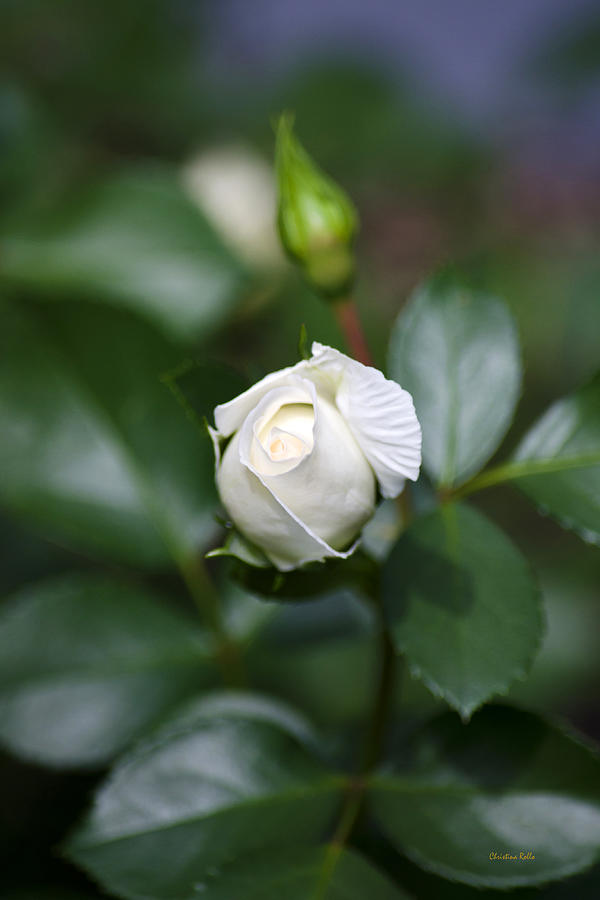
[(472, 58)]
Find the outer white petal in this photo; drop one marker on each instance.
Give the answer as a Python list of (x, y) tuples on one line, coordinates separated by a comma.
[(230, 416), (380, 414)]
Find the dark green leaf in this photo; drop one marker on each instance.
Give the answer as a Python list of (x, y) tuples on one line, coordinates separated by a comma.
[(230, 704), (93, 447), (220, 783), (300, 874), (244, 615), (506, 783), (97, 82), (310, 652), (463, 606), (199, 386), (86, 664), (308, 582), (457, 353), (565, 443), (568, 664), (135, 241)]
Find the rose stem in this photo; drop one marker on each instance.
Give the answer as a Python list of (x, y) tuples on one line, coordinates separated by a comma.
[(346, 314), (385, 695), (353, 802), (206, 599)]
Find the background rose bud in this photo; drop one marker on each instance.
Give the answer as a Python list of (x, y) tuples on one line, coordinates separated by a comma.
[(317, 220), (309, 444), (235, 188)]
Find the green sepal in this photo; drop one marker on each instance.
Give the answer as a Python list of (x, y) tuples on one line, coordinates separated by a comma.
[(240, 548)]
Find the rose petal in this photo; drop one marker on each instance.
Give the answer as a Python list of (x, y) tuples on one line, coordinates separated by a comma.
[(380, 414), (230, 416)]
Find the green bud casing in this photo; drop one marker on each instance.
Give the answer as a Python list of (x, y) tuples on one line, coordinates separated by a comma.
[(317, 221)]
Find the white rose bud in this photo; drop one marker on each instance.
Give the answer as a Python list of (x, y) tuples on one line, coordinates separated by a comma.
[(235, 188), (309, 444)]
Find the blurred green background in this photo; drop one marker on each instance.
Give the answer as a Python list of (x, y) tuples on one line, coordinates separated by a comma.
[(136, 231)]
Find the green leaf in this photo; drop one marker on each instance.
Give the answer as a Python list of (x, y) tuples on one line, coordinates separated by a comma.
[(568, 664), (300, 874), (94, 450), (565, 447), (457, 353), (506, 783), (310, 581), (230, 704), (243, 615), (200, 386), (310, 652), (101, 93), (134, 240), (462, 605), (219, 784), (86, 664)]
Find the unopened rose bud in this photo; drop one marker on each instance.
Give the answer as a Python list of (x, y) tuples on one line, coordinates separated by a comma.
[(317, 220)]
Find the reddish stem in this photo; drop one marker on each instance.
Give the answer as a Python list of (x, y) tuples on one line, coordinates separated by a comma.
[(347, 316)]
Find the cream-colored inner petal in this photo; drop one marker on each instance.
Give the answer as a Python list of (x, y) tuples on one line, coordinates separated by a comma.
[(282, 438), (281, 445), (292, 424)]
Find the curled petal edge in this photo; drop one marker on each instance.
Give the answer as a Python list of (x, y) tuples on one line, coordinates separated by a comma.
[(370, 402)]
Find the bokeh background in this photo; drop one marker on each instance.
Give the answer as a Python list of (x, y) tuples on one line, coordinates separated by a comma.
[(466, 132)]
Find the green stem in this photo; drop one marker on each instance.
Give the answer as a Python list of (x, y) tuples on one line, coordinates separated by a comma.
[(349, 321), (512, 471), (197, 582), (348, 816), (383, 702), (353, 802), (205, 597)]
